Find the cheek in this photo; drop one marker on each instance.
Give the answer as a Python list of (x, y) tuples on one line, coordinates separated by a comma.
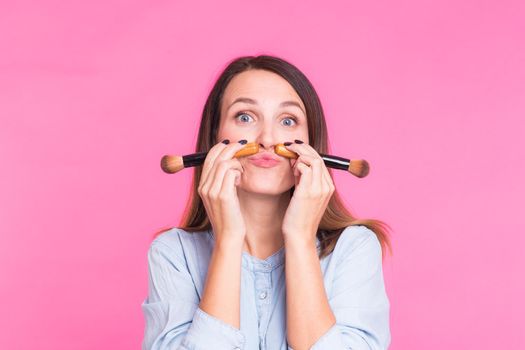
[(231, 134), (229, 131), (303, 135)]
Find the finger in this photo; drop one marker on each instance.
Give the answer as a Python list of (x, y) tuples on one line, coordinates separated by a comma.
[(229, 151), (328, 177), (305, 173), (321, 169), (305, 150), (225, 152), (317, 176), (320, 175), (302, 148), (209, 160), (316, 165), (301, 159), (232, 179), (220, 171)]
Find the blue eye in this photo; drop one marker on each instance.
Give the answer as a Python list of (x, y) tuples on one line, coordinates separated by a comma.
[(241, 114), (291, 118)]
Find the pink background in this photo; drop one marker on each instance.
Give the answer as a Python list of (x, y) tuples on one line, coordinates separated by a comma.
[(94, 93)]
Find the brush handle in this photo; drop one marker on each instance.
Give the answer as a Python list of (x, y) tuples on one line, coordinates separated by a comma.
[(194, 159), (335, 161), (329, 160), (198, 158)]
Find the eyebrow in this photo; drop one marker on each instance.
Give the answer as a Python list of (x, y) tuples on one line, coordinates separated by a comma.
[(253, 102)]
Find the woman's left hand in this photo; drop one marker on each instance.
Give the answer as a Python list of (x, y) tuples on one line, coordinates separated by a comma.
[(313, 189)]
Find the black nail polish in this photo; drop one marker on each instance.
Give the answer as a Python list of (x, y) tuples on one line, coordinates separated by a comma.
[(298, 141), (287, 143), (226, 141), (243, 142)]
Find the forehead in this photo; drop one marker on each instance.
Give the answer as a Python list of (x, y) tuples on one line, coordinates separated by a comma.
[(261, 85)]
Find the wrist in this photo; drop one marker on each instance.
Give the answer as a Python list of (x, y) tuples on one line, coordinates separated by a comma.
[(299, 240), (229, 242)]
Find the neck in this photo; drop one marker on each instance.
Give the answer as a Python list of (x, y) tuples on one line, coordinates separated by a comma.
[(263, 215)]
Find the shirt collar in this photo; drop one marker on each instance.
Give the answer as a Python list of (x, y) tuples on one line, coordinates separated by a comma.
[(255, 264)]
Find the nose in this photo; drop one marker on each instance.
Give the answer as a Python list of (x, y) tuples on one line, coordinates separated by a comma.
[(266, 137)]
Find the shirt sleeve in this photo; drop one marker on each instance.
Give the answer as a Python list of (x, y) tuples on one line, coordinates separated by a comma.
[(173, 318), (359, 301)]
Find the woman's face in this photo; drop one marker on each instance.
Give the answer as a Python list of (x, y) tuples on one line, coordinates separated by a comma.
[(262, 107)]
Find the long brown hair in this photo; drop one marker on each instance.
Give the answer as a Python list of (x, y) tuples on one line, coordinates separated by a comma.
[(336, 217)]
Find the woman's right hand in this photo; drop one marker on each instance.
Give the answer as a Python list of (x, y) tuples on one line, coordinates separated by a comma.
[(221, 173)]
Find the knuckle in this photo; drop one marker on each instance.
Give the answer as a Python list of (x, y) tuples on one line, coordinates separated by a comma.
[(222, 163), (213, 195), (224, 197), (220, 145), (316, 193)]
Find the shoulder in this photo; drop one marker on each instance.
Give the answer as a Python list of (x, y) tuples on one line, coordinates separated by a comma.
[(178, 242), (357, 240)]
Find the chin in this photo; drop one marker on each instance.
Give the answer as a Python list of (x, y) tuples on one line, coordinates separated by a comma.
[(272, 181), (266, 187)]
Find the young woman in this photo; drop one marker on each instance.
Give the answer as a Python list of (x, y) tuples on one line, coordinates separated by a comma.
[(267, 256)]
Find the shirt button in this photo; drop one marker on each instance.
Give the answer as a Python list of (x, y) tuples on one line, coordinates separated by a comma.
[(262, 295)]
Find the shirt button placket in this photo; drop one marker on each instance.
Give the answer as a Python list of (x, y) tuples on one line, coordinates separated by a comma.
[(263, 287)]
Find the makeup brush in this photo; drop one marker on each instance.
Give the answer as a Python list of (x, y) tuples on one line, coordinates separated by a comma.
[(172, 164), (356, 167)]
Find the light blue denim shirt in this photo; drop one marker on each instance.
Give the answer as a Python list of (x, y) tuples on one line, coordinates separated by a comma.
[(178, 264)]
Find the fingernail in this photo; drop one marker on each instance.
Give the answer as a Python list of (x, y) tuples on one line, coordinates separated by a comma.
[(287, 143), (298, 141), (243, 142), (226, 141)]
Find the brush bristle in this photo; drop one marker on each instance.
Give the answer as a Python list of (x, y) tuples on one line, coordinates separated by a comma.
[(359, 168), (171, 164)]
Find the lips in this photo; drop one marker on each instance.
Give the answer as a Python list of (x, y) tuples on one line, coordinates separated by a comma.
[(265, 156), (265, 163), (264, 160)]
